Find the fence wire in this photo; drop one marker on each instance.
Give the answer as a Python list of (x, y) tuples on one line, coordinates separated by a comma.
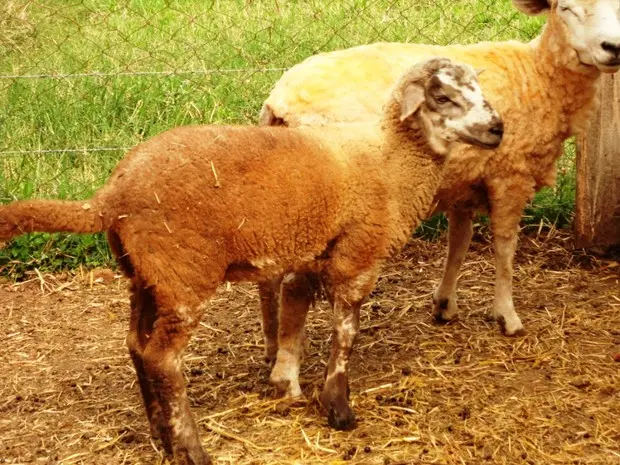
[(83, 80)]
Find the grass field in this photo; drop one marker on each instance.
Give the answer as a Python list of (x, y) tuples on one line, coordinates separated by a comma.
[(82, 79)]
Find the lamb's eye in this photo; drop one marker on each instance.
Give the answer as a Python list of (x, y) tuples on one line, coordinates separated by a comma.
[(443, 99)]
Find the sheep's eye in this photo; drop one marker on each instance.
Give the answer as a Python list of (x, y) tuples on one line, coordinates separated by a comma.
[(443, 99), (568, 9)]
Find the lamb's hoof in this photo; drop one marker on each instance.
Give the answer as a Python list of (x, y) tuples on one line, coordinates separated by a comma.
[(514, 330), (444, 309), (196, 456), (342, 419), (281, 386), (285, 388)]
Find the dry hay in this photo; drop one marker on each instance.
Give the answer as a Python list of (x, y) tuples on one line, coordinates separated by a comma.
[(424, 393)]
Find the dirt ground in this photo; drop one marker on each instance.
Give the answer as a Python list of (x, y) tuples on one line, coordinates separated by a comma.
[(424, 393)]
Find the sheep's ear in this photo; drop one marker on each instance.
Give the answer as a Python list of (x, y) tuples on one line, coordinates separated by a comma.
[(532, 7), (413, 96)]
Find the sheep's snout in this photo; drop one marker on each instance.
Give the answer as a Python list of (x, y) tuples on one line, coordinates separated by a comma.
[(611, 56)]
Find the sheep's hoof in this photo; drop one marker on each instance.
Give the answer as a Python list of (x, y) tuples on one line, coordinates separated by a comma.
[(341, 419), (444, 309), (339, 415), (517, 331)]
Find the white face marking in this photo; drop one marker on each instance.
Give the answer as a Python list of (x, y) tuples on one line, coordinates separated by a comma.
[(478, 113), (466, 117), (593, 26)]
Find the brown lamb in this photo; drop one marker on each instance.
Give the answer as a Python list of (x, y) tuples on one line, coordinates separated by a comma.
[(196, 206)]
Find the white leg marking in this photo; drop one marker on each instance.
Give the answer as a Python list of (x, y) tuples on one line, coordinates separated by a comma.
[(285, 374)]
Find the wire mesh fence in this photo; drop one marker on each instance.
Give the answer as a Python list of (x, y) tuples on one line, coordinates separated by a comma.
[(83, 80)]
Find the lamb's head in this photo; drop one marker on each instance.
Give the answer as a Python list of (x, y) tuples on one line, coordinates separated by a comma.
[(592, 28), (446, 98)]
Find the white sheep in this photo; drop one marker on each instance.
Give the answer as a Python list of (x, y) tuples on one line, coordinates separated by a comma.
[(545, 91), (197, 206)]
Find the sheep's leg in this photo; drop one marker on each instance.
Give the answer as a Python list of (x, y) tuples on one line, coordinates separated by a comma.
[(269, 292), (295, 300), (503, 306), (459, 237), (347, 299), (507, 203), (140, 329), (162, 365)]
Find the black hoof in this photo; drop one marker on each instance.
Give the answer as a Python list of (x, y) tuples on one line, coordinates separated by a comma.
[(441, 306), (501, 321), (342, 421)]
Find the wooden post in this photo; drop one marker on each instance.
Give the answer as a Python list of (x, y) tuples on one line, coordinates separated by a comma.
[(597, 209)]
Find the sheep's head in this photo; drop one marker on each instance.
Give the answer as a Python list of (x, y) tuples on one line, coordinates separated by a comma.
[(592, 28), (447, 99)]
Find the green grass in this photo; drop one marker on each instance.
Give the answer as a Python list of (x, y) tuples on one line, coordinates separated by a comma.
[(222, 55)]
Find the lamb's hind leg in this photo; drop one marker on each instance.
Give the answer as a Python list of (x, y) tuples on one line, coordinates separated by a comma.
[(140, 328), (296, 297), (460, 232), (161, 360)]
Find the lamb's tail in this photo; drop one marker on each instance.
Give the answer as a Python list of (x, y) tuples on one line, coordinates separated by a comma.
[(28, 216)]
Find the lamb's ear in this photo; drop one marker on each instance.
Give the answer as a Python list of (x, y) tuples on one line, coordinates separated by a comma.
[(413, 96), (532, 7)]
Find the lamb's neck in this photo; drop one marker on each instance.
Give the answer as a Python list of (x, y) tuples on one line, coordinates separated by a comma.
[(568, 81), (414, 171)]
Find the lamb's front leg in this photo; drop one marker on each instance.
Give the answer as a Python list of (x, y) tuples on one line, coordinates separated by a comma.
[(297, 293), (507, 200), (143, 315), (460, 232), (346, 299)]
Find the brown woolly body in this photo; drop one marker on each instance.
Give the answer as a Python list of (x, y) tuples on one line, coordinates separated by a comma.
[(268, 201)]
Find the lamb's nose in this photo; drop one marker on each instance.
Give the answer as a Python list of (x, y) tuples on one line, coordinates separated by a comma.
[(611, 47), (498, 129)]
